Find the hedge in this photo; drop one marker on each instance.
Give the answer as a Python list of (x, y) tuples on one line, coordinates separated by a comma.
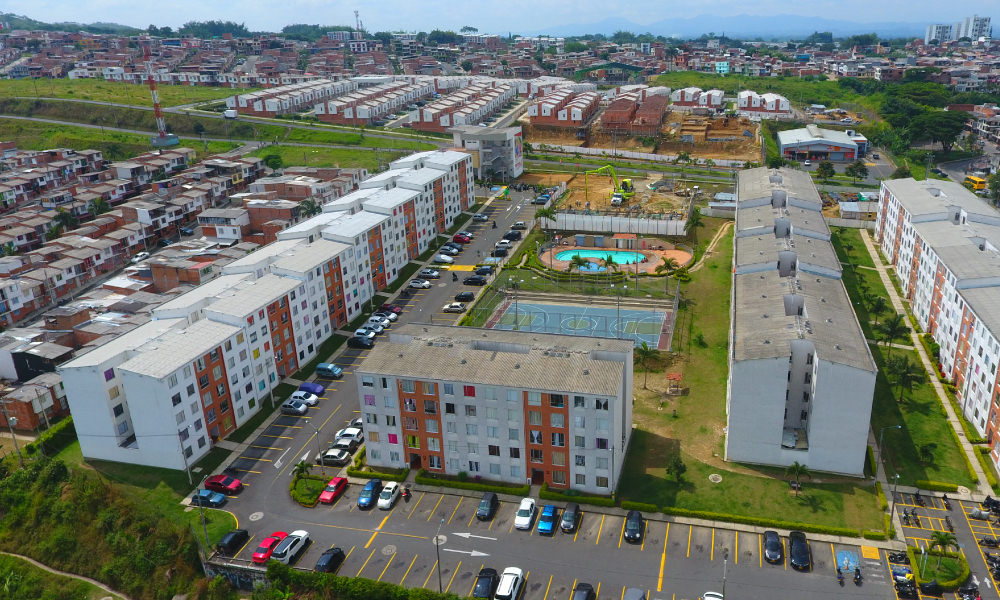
[(946, 584), (301, 497), (937, 486), (54, 439), (988, 469), (358, 470), (870, 463), (640, 506), (869, 534), (882, 502), (762, 522), (547, 494), (965, 457), (423, 477), (329, 585)]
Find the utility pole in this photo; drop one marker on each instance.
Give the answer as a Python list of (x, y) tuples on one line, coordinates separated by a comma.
[(437, 548), (11, 421)]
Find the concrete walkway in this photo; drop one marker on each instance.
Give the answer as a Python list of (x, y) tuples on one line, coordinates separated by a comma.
[(983, 487)]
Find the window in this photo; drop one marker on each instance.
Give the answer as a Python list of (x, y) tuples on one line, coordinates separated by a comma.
[(452, 446), (224, 405), (473, 466), (602, 462), (581, 460), (449, 408), (515, 471), (428, 387), (535, 398), (581, 479), (559, 477), (409, 423), (175, 399), (220, 389), (412, 441), (172, 380), (451, 427), (558, 440), (371, 418), (559, 459), (534, 417), (409, 405), (494, 450), (431, 426), (512, 414), (515, 453), (578, 442), (536, 456), (805, 396), (601, 404), (535, 437), (198, 425), (512, 396), (602, 482), (579, 422), (602, 443), (491, 412), (492, 431), (470, 410), (372, 437), (119, 410), (109, 375), (471, 429), (430, 407), (367, 381), (557, 420), (469, 391), (393, 438), (435, 462), (369, 399), (557, 401), (449, 388), (494, 469), (203, 381), (513, 434), (190, 389), (390, 420), (602, 424), (217, 372), (389, 401), (210, 416), (434, 444), (122, 427), (578, 402), (407, 385)]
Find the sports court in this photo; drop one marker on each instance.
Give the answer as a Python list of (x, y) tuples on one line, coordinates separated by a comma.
[(648, 326)]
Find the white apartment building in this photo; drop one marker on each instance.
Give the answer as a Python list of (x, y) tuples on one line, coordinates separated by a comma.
[(503, 405), (939, 31), (801, 377)]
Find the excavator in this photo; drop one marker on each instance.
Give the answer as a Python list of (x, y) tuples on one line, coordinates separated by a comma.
[(624, 189)]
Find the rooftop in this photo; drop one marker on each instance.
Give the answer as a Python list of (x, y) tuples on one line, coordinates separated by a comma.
[(812, 134), (309, 256), (249, 296), (171, 350), (124, 343), (933, 196)]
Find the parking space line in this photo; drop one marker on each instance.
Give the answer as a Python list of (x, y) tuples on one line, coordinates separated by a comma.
[(690, 527), (414, 509), (621, 535), (599, 530), (376, 532), (433, 568), (267, 448), (760, 550), (366, 563), (283, 437), (645, 530), (663, 560), (784, 552), (598, 589), (460, 498), (349, 553), (246, 471), (736, 550), (431, 516), (833, 555), (473, 516), (623, 593), (453, 573), (245, 545), (473, 586), (252, 458), (389, 562), (494, 519), (547, 588), (579, 526), (711, 553), (401, 581), (571, 589)]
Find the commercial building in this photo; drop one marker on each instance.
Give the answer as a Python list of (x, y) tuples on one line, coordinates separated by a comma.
[(503, 405), (813, 143), (801, 376), (495, 152)]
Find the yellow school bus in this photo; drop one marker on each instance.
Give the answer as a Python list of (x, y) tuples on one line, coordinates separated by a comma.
[(977, 183)]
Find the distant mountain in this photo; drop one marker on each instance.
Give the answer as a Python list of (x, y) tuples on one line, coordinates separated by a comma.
[(22, 22), (777, 27)]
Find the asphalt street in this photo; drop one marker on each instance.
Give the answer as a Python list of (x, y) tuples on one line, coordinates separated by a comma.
[(673, 561)]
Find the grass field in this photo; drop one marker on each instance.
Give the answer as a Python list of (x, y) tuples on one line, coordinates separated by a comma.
[(106, 91), (24, 581), (28, 135), (330, 157)]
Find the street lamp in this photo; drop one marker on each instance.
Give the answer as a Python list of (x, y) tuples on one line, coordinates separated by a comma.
[(11, 422), (892, 507), (725, 564), (881, 432), (437, 549), (204, 526), (319, 452), (517, 319)]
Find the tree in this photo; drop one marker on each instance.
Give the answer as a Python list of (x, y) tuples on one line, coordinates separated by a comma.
[(545, 213), (904, 374), (694, 221), (825, 170), (575, 47), (892, 328), (468, 29), (301, 468), (856, 170), (668, 265), (273, 161), (676, 467), (901, 172), (776, 162), (926, 452), (9, 249), (65, 219), (580, 264), (877, 306), (943, 540), (994, 182), (940, 127), (310, 207), (609, 265), (797, 471), (198, 128), (644, 354), (468, 65), (100, 206)]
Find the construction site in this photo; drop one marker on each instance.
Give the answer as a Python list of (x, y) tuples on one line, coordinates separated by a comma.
[(602, 191)]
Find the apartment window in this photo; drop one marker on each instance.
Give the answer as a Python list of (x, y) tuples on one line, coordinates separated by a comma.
[(512, 396), (190, 389), (602, 482), (203, 381), (491, 412), (581, 460), (217, 372), (559, 459), (220, 389), (394, 457), (393, 438), (371, 419), (430, 407), (469, 391), (494, 469), (580, 479), (118, 410), (602, 443), (122, 427), (602, 462), (409, 423), (557, 401), (449, 388), (512, 414), (473, 466), (494, 450), (452, 446), (449, 408), (515, 453), (428, 387), (805, 396), (369, 399), (513, 434), (409, 405), (492, 431), (559, 477), (109, 375), (470, 410), (434, 444), (557, 420), (172, 380), (535, 398), (602, 424), (389, 401), (367, 381), (601, 404), (390, 420), (515, 472), (471, 429), (451, 427), (210, 416), (578, 402), (412, 441), (198, 425), (534, 417), (804, 415), (535, 437), (407, 386), (536, 456), (223, 405), (558, 440), (578, 442), (431, 426), (434, 462), (200, 364), (808, 377), (579, 422), (175, 399)]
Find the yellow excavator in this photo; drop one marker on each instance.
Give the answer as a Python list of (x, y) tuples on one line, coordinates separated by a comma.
[(624, 189)]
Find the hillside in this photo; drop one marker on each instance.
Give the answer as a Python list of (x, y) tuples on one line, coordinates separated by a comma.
[(22, 22)]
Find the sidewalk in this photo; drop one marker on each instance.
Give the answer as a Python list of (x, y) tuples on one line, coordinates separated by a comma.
[(983, 487)]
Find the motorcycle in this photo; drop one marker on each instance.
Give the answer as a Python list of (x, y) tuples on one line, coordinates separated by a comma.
[(406, 494), (899, 558), (930, 588), (857, 575), (919, 499), (454, 276), (947, 502), (494, 224), (916, 519), (989, 542), (947, 520), (840, 577), (906, 517), (906, 590)]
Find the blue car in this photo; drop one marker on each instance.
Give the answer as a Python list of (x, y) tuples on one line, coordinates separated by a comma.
[(369, 493), (329, 371), (547, 520), (313, 388), (208, 498)]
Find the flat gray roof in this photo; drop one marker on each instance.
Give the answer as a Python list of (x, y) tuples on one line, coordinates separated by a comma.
[(931, 196), (171, 350), (756, 249), (759, 182), (985, 302)]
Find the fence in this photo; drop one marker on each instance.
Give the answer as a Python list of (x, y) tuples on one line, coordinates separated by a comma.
[(616, 224), (241, 574), (663, 158), (852, 223)]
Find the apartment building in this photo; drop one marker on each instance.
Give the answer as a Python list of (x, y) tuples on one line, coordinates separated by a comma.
[(564, 108), (762, 106), (801, 377), (503, 405), (496, 152)]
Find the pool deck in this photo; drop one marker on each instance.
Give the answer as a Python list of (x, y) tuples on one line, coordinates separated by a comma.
[(652, 261)]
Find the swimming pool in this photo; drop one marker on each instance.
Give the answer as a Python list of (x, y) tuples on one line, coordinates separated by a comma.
[(621, 256)]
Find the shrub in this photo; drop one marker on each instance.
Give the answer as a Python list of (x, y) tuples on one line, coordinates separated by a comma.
[(54, 439), (358, 469), (870, 463), (762, 522), (547, 494), (965, 457), (425, 478), (937, 486), (983, 457), (946, 584), (882, 502), (869, 534), (640, 506), (305, 489)]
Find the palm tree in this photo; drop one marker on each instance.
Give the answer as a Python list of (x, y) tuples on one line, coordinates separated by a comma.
[(877, 306), (301, 469), (796, 471), (669, 265), (942, 540), (904, 373), (694, 221), (100, 206), (545, 213), (644, 354), (609, 264), (892, 328), (579, 263), (66, 219)]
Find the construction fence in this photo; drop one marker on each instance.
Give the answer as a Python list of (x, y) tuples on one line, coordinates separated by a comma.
[(663, 158)]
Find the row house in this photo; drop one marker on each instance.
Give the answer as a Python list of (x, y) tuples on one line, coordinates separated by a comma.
[(289, 98), (467, 106), (762, 106), (366, 105), (564, 108), (38, 403)]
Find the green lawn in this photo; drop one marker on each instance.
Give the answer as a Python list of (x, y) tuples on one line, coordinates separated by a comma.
[(24, 581), (338, 136), (106, 91), (850, 248), (949, 568), (329, 157)]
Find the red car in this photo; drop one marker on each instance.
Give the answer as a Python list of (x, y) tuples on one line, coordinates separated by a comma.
[(391, 308), (267, 546), (461, 239), (333, 489), (224, 484)]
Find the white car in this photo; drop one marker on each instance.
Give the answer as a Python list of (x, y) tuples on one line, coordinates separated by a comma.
[(525, 514), (306, 398), (443, 259), (141, 256), (351, 433), (711, 596), (391, 316), (503, 244), (510, 584), (290, 548), (389, 495), (380, 321), (420, 284), (454, 307)]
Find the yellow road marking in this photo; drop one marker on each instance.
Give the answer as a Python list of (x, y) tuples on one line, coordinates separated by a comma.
[(760, 550), (645, 528), (238, 552), (623, 593), (431, 516), (579, 526), (711, 553), (308, 441), (433, 567), (690, 527), (392, 556), (494, 519), (549, 586), (471, 518), (456, 509), (267, 447), (833, 553), (599, 530), (366, 563), (408, 535), (375, 533), (248, 471), (453, 573), (473, 586), (663, 560), (252, 458), (621, 535), (414, 509), (282, 437), (349, 553), (784, 552), (598, 589), (408, 569), (736, 552)]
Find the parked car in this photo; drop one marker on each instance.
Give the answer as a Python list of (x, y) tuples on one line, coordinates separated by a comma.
[(388, 496), (311, 387), (513, 234), (374, 321), (547, 520), (634, 527), (509, 587), (266, 547), (305, 398), (570, 517), (139, 257), (454, 246), (474, 280), (634, 594), (467, 234), (333, 490), (329, 370), (393, 308), (208, 498), (190, 230), (798, 551), (357, 423), (521, 225), (774, 551), (232, 542), (330, 560), (485, 270), (346, 444), (333, 457), (525, 514), (487, 506), (224, 484), (462, 239), (499, 252), (360, 343), (293, 407), (429, 273), (351, 433), (486, 583), (364, 333), (420, 284), (164, 243), (449, 250), (875, 155), (373, 327), (583, 591), (387, 315), (369, 493), (480, 217), (807, 163), (503, 244), (454, 307), (465, 296), (289, 549)]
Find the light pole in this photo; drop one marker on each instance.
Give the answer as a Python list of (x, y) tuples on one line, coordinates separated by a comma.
[(881, 432), (517, 318), (725, 564), (892, 507), (11, 421), (319, 451), (204, 526), (437, 549)]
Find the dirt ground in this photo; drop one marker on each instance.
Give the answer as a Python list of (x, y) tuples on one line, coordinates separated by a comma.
[(594, 192), (544, 178)]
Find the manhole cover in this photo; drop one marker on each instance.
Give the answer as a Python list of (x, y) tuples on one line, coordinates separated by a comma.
[(715, 478), (257, 516), (963, 490), (440, 540), (390, 549)]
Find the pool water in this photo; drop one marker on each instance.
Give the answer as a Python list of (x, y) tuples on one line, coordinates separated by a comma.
[(621, 257)]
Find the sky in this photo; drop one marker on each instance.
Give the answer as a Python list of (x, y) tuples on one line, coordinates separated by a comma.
[(491, 16)]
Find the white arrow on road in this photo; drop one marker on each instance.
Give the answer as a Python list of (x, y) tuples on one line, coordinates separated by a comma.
[(469, 535), (472, 553)]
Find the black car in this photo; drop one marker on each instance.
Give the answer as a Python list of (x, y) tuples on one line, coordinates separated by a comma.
[(570, 517), (187, 231), (798, 551), (453, 244), (487, 506), (499, 252), (774, 550), (485, 270), (583, 591), (357, 342), (512, 235), (164, 243), (329, 560), (474, 280), (232, 542), (465, 296), (486, 583), (633, 527)]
